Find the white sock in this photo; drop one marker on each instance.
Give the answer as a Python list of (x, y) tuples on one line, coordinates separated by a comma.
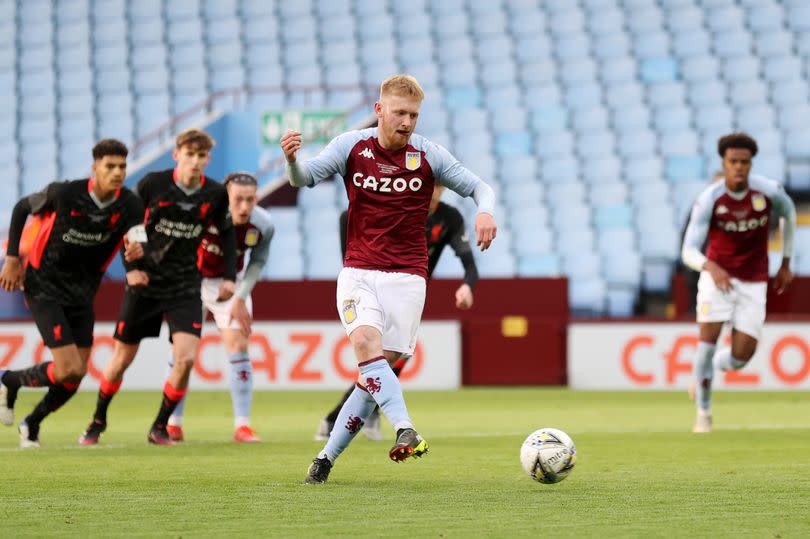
[(241, 382), (703, 373), (349, 421), (726, 362), (383, 385)]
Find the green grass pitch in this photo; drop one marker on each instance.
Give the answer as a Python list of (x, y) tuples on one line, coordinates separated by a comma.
[(640, 473)]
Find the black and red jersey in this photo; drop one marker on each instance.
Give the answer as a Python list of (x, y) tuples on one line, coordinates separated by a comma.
[(176, 219), (78, 239)]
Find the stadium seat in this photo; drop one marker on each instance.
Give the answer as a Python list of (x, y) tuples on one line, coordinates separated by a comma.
[(541, 265), (659, 70)]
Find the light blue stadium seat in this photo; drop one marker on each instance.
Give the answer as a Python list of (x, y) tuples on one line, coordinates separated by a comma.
[(794, 116), (616, 241), (740, 69), (662, 69), (774, 43), (653, 190), (542, 96), (151, 111), (666, 94), (632, 118), (773, 166), (495, 49), (535, 74), (527, 23), (574, 238), (566, 21), (572, 48), (581, 96), (748, 93), (610, 46), (622, 270), (596, 144), (536, 241), (684, 168), (700, 68), (684, 18), (732, 44), (620, 215), (559, 169), (586, 265), (503, 97), (553, 145), (645, 20), (36, 177), (489, 23), (150, 81), (798, 18), (511, 143), (591, 119), (189, 80), (36, 83), (608, 193), (76, 128), (609, 21), (37, 106), (512, 118), (797, 145), (565, 192), (672, 118), (707, 93), (600, 170), (578, 72), (35, 129), (618, 70), (542, 265), (79, 104), (36, 58), (533, 48), (651, 45), (636, 144), (725, 19), (765, 18), (470, 120), (714, 117), (643, 168), (452, 50), (798, 177), (587, 296), (679, 143), (696, 43), (783, 68), (517, 169), (551, 118), (224, 54), (260, 29), (452, 25), (463, 97), (498, 74), (522, 193), (753, 119), (73, 57)]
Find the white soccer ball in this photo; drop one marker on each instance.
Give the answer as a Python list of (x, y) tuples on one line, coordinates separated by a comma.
[(548, 455)]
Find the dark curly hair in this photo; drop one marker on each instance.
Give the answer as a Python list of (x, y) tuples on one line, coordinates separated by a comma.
[(109, 146), (737, 140)]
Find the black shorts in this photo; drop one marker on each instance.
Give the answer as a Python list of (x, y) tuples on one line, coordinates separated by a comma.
[(61, 325), (140, 316)]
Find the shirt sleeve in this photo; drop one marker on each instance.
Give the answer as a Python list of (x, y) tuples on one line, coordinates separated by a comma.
[(330, 161), (47, 199), (449, 172), (786, 209), (695, 236), (258, 258)]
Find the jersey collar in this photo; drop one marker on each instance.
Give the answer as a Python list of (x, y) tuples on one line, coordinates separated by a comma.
[(92, 181), (175, 177)]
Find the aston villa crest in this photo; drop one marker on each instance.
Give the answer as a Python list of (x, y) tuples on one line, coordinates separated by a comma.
[(413, 160), (758, 202)]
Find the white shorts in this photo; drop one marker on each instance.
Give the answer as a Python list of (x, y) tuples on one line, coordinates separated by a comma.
[(220, 309), (389, 301), (743, 306)]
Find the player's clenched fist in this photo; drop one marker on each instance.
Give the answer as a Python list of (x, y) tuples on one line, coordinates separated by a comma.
[(485, 230), (290, 144)]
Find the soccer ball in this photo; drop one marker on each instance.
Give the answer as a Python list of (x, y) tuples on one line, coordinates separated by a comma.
[(548, 455)]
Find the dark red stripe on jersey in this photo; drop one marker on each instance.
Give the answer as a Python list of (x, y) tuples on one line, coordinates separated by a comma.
[(112, 255), (146, 215), (176, 177), (35, 258), (370, 361)]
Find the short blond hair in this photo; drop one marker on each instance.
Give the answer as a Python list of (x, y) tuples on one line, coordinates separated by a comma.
[(196, 138), (402, 85)]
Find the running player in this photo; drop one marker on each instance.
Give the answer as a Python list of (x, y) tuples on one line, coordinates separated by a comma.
[(389, 174), (83, 224), (445, 226), (180, 204), (254, 231), (733, 217)]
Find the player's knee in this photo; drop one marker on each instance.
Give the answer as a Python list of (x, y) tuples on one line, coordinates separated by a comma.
[(184, 362), (365, 343)]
